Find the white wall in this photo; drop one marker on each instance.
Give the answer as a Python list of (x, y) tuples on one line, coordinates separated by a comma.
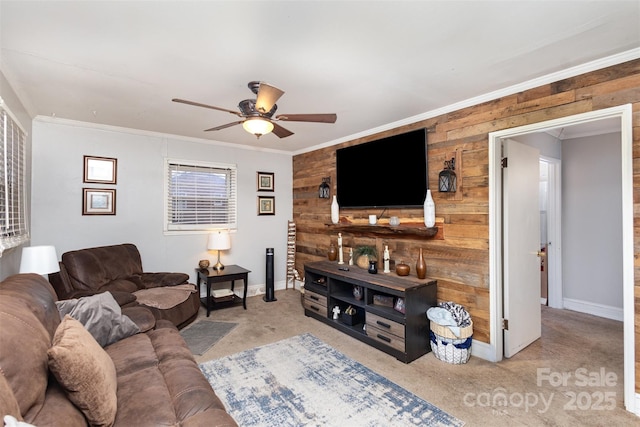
[(58, 150), (591, 226), (10, 260)]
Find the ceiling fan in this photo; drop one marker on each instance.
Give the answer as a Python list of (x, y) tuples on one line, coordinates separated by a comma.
[(257, 114)]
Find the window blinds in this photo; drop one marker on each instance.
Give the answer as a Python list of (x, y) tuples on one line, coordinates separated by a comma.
[(200, 196), (13, 217)]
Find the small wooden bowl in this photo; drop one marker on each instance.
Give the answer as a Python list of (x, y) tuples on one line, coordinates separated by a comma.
[(402, 269)]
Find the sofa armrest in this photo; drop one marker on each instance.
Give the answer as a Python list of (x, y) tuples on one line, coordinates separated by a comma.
[(141, 316), (155, 280)]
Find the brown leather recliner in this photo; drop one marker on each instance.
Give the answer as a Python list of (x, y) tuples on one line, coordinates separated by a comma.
[(118, 269)]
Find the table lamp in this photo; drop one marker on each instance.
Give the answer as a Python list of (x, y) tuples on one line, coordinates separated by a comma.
[(219, 241), (41, 260)]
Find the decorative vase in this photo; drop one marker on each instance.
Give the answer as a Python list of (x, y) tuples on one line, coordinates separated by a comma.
[(204, 263), (335, 211), (333, 252), (402, 269), (421, 267), (363, 261), (429, 211), (373, 267)]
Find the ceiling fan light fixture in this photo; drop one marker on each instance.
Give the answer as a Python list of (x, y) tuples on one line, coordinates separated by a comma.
[(257, 126)]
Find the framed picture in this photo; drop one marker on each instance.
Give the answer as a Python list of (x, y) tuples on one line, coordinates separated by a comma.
[(266, 205), (98, 201), (100, 170), (265, 181)]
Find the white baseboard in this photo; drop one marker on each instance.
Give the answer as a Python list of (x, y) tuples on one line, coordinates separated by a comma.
[(600, 310), (482, 350), (543, 301), (259, 289)]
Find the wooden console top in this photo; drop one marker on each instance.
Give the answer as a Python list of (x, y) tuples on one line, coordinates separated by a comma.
[(384, 280)]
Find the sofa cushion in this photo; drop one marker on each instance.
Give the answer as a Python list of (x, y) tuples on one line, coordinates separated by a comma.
[(85, 371), (101, 315), (57, 407), (159, 365)]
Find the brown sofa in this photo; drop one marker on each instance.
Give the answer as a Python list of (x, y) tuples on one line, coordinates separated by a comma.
[(118, 269), (158, 381)]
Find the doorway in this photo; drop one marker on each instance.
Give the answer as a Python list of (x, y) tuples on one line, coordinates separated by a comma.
[(496, 263)]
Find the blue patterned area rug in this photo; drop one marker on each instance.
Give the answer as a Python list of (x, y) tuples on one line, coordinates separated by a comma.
[(302, 381)]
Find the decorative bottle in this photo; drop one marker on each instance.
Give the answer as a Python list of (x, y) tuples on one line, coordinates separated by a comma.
[(429, 211), (421, 267), (335, 211), (333, 252), (386, 259)]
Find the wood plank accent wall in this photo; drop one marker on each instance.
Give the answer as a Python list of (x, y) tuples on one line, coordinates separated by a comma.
[(460, 262)]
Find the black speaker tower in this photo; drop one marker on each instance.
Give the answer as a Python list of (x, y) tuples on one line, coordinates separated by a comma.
[(269, 285)]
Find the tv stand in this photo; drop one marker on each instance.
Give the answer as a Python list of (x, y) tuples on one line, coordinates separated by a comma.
[(375, 321)]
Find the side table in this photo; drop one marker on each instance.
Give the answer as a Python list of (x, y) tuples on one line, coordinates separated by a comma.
[(231, 273)]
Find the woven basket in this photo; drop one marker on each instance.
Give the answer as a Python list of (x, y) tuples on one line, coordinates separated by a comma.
[(448, 347)]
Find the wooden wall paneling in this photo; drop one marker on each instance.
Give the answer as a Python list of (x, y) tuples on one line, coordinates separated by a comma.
[(460, 261)]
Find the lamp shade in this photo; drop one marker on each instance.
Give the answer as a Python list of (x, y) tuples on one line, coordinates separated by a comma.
[(39, 259), (220, 240), (257, 126)]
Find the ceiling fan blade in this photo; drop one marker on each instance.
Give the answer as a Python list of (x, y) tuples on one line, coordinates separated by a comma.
[(281, 132), (320, 118), (267, 97), (197, 104), (228, 125)]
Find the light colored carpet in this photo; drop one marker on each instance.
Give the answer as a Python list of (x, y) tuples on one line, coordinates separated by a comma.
[(302, 381), (202, 335)]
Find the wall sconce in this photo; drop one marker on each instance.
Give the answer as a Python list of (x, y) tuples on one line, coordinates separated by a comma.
[(219, 241), (447, 178), (324, 191)]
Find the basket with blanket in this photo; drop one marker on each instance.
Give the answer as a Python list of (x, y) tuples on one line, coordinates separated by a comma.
[(451, 332)]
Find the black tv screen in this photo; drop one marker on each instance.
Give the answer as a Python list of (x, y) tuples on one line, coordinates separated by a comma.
[(388, 172)]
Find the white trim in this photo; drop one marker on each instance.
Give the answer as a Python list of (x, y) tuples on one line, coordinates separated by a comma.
[(637, 411), (554, 233), (597, 64), (482, 350), (600, 310), (133, 131), (625, 113)]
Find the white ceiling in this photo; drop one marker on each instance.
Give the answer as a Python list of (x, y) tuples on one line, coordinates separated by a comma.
[(376, 64)]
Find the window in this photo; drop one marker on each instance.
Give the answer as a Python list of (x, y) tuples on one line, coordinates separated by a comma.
[(13, 218), (200, 196)]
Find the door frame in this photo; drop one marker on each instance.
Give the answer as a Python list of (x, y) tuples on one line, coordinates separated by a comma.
[(554, 233), (624, 113)]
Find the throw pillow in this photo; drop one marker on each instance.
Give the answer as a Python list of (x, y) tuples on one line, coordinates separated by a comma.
[(85, 371), (101, 316)]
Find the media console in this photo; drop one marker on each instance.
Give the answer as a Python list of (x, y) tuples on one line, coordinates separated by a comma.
[(375, 321)]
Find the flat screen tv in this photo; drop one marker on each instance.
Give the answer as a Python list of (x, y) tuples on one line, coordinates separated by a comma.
[(385, 173)]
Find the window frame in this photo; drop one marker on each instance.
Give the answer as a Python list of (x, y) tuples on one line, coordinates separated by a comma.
[(14, 227), (171, 227)]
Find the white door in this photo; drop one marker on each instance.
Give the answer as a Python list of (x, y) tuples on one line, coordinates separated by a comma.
[(521, 233)]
